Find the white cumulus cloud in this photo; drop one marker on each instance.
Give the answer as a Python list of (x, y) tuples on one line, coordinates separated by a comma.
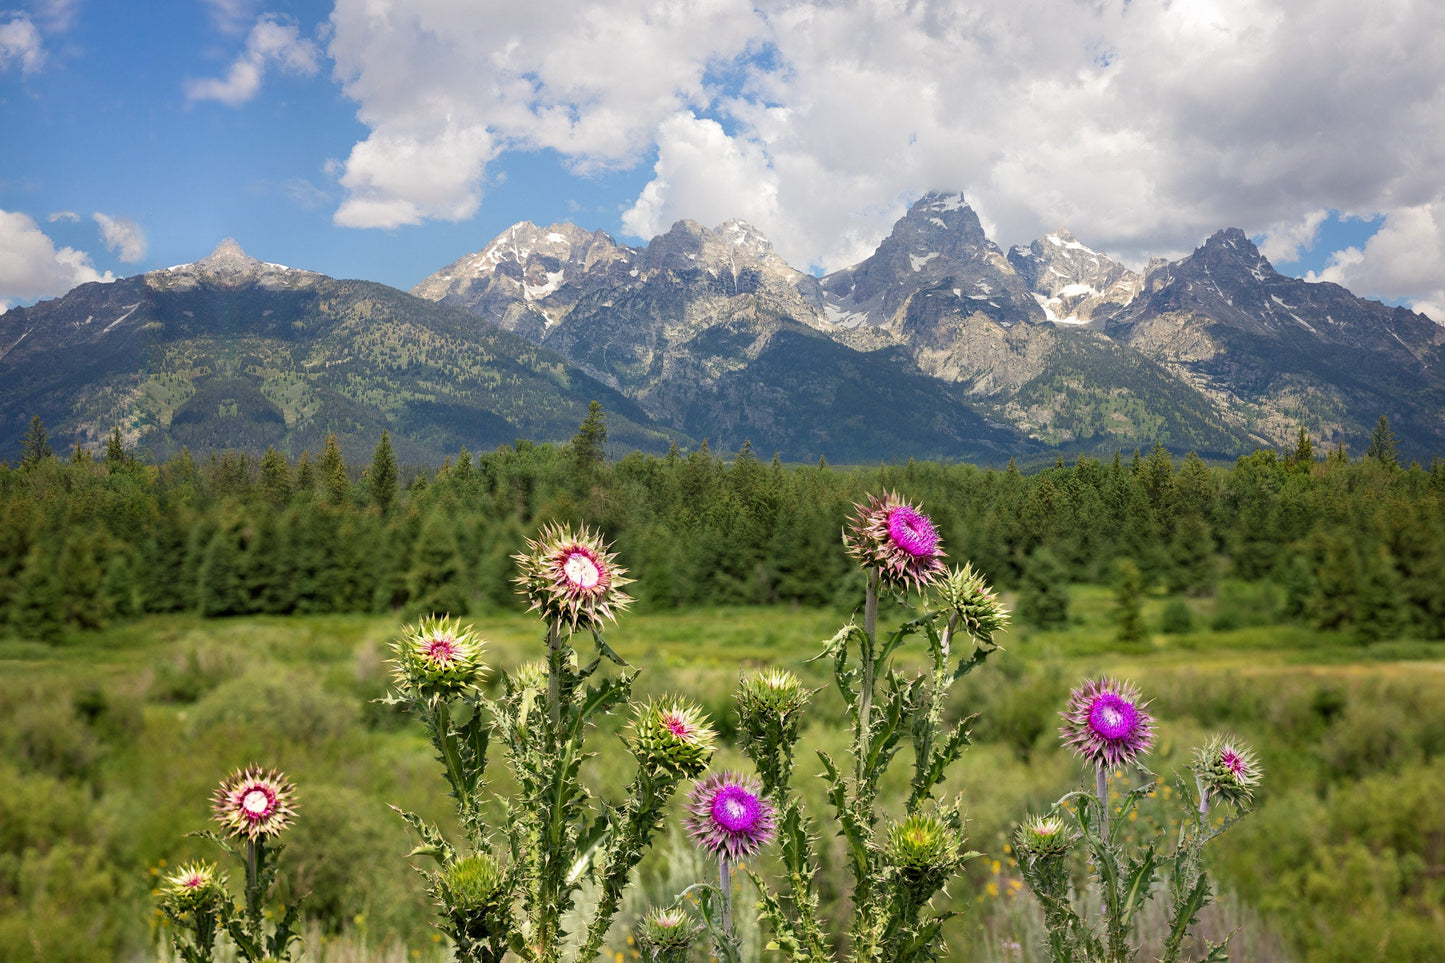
[(20, 43), (446, 87), (272, 42), (122, 236), (32, 267), (1403, 258), (1284, 242), (1143, 126)]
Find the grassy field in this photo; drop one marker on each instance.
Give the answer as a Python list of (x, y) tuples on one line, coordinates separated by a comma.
[(112, 743)]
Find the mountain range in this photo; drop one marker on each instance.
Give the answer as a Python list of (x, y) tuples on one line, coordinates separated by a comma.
[(939, 345)]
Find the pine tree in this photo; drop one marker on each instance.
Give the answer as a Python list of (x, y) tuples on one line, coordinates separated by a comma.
[(36, 446), (1382, 444), (1043, 592), (305, 474), (335, 485), (435, 579), (381, 476), (1304, 449), (275, 477), (588, 445), (1128, 596), (115, 455)]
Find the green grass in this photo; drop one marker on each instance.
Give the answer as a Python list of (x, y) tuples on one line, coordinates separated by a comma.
[(125, 732)]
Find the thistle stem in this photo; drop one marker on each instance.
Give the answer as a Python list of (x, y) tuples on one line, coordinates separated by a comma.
[(1103, 791), (554, 675), (725, 885), (865, 685)]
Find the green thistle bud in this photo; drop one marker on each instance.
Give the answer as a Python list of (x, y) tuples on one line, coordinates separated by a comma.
[(673, 737), (1226, 768), (438, 657), (472, 885), (1045, 837), (666, 934), (194, 886), (923, 845), (771, 692), (529, 675), (976, 604)]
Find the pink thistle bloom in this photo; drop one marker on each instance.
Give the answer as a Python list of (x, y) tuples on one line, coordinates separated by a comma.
[(254, 803), (728, 816), (1106, 725), (572, 577), (896, 540)]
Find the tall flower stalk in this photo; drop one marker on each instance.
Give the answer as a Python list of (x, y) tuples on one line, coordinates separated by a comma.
[(511, 887), (252, 806), (1107, 725), (897, 864)]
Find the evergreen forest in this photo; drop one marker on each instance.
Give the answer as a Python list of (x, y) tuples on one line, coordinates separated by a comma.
[(1347, 544)]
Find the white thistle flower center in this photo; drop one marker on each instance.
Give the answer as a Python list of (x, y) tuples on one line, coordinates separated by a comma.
[(581, 570), (256, 802)]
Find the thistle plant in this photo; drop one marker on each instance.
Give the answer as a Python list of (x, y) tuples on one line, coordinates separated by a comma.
[(897, 863), (252, 806), (511, 885), (1107, 725), (730, 819), (666, 935)]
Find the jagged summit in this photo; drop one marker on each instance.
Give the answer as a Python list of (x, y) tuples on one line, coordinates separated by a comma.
[(228, 265), (1074, 284)]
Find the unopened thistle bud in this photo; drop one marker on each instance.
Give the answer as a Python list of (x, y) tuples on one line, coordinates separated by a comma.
[(438, 656), (775, 693), (967, 593), (1228, 769), (672, 737), (193, 887), (666, 935), (923, 845), (1044, 837), (472, 884)]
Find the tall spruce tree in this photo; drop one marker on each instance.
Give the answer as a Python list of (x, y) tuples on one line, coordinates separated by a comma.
[(335, 485), (275, 477), (381, 476), (1382, 444), (36, 445), (1128, 598)]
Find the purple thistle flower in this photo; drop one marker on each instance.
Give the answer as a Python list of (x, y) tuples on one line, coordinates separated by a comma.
[(1105, 723), (728, 816), (896, 540)]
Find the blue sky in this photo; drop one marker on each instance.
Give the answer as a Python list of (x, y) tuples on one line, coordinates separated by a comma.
[(384, 139)]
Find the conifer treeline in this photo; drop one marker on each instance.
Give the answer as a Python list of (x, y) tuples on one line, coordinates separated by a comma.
[(1351, 544)]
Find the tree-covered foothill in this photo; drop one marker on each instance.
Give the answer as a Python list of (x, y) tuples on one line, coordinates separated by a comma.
[(1357, 545)]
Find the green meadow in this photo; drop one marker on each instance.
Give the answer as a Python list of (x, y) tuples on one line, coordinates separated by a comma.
[(115, 738)]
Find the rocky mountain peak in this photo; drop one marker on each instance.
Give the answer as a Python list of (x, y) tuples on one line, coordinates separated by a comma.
[(940, 247), (229, 265), (1073, 283)]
